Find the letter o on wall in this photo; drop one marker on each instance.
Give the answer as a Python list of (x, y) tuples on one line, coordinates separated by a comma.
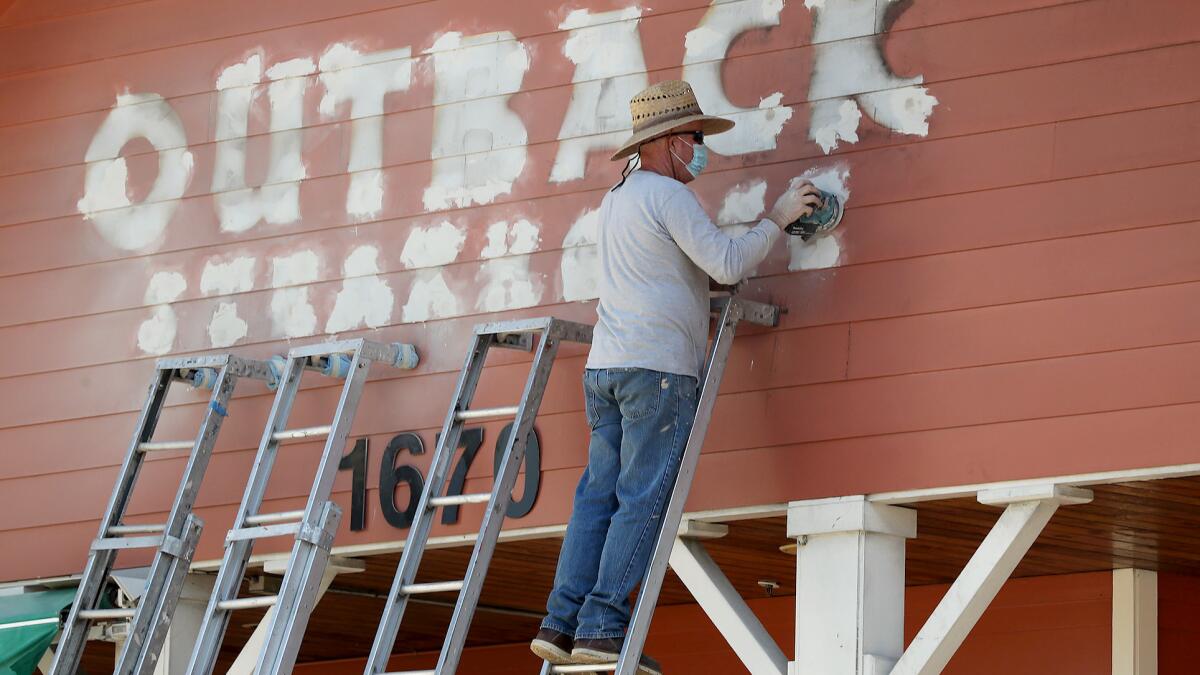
[(105, 200)]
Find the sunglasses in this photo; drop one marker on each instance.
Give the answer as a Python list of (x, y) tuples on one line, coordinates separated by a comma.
[(697, 136)]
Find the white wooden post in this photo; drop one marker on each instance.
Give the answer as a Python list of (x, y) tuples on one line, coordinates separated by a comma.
[(185, 624), (849, 584), (1135, 622), (1028, 510)]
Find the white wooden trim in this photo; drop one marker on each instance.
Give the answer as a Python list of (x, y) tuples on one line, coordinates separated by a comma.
[(1135, 622)]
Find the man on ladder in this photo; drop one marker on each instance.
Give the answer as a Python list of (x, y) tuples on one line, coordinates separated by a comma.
[(657, 249)]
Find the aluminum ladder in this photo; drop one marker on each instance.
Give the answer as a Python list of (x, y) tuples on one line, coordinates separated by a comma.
[(175, 539), (519, 334), (732, 311), (313, 527)]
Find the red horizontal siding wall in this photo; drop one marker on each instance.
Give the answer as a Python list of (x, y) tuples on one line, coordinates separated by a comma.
[(1015, 295)]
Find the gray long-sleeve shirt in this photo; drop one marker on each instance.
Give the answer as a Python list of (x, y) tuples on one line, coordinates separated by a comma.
[(657, 249)]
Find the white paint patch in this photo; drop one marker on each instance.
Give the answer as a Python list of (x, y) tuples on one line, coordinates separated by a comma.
[(226, 327), (432, 246), (156, 335), (478, 141), (165, 287), (580, 262), (814, 4), (704, 52), (365, 299), (820, 252), (504, 277), (277, 200), (430, 298), (849, 67), (827, 133), (292, 315), (610, 69), (105, 198), (227, 278), (744, 203), (364, 80)]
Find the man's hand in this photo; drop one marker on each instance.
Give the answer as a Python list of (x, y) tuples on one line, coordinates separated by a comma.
[(798, 201)]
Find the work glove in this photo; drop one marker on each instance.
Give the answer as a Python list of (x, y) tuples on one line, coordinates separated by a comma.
[(796, 202)]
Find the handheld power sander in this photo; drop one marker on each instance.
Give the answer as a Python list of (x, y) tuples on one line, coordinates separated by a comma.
[(820, 221)]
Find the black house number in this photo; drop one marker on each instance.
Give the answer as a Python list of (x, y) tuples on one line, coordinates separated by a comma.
[(394, 472)]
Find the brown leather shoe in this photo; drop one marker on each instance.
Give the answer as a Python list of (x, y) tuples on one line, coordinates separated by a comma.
[(608, 650), (553, 646)]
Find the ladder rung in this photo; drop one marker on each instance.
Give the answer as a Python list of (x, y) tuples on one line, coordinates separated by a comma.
[(584, 668), (300, 434), (507, 411), (262, 531), (281, 517), (159, 446), (248, 603), (413, 672), (481, 498), (150, 528), (101, 614), (435, 587)]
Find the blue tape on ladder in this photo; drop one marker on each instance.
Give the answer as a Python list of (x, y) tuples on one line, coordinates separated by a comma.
[(218, 408)]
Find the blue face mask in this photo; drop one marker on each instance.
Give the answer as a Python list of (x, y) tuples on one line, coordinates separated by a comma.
[(699, 159)]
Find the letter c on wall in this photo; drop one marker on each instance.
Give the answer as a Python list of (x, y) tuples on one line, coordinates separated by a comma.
[(105, 199)]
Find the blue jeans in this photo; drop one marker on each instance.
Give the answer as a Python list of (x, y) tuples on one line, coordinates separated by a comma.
[(640, 422)]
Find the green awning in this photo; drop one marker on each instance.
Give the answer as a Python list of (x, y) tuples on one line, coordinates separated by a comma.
[(28, 623)]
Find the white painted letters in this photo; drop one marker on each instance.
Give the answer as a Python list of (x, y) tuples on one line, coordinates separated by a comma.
[(105, 202), (364, 80), (277, 200), (478, 141), (609, 71), (850, 72), (706, 45)]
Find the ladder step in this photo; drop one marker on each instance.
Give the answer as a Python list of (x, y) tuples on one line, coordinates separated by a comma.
[(161, 446), (281, 517), (480, 498), (301, 434), (584, 668), (101, 614), (413, 672), (435, 587), (263, 531), (248, 603), (150, 528), (506, 411)]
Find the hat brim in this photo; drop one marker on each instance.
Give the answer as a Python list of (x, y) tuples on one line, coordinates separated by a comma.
[(710, 125)]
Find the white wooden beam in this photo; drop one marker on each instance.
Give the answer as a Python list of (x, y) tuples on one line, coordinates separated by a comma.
[(726, 609), (185, 625), (987, 570), (1135, 622)]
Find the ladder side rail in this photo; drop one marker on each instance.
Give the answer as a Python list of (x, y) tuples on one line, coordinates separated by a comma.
[(493, 519), (639, 625), (298, 590), (298, 596), (418, 532), (145, 660), (100, 562), (237, 552), (153, 606)]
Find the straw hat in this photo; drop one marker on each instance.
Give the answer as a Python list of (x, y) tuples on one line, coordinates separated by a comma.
[(662, 107)]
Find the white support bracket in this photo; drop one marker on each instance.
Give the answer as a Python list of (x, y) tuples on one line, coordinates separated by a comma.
[(721, 601), (1028, 509), (247, 659)]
